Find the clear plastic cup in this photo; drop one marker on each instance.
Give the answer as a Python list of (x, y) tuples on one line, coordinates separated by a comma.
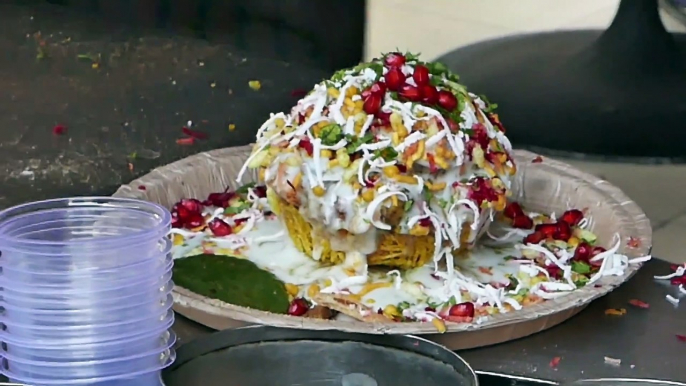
[(68, 369), (140, 378), (28, 316), (92, 303), (66, 276), (79, 288), (91, 333), (81, 233), (55, 351)]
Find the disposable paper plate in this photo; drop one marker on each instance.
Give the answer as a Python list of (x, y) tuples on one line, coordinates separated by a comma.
[(547, 186)]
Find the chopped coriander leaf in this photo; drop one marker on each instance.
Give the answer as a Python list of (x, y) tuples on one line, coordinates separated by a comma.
[(331, 134), (580, 267), (436, 81), (355, 142), (442, 203), (338, 76), (427, 195), (437, 68), (410, 56), (408, 205), (403, 305), (388, 154), (581, 281), (514, 282), (237, 209), (452, 301), (394, 95), (244, 189), (434, 305)]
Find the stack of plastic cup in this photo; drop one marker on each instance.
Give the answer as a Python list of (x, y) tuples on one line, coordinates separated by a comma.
[(85, 291)]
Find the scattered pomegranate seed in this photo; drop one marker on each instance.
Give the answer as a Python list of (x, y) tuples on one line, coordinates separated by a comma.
[(384, 118), (219, 199), (194, 133), (59, 129), (555, 362), (142, 187), (410, 93), (378, 88), (639, 303), (562, 231), (183, 213), (395, 79), (298, 307), (192, 205), (401, 168), (372, 104), (394, 59), (421, 75), (534, 238), (447, 100), (185, 141), (572, 217), (219, 227), (681, 337), (299, 93), (597, 250), (306, 145), (176, 222), (548, 230), (425, 222), (195, 220), (554, 271), (429, 94), (454, 127), (513, 210), (260, 191), (537, 160), (582, 252), (633, 242), (429, 309), (523, 222), (465, 309)]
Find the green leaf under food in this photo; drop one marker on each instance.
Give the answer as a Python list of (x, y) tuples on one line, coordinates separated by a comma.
[(244, 189), (232, 280)]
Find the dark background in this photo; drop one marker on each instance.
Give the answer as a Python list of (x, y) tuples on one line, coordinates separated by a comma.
[(124, 77)]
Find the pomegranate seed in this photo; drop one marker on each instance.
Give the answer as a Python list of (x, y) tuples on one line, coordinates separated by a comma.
[(639, 303), (534, 238), (219, 227), (176, 222), (298, 307), (429, 94), (59, 129), (582, 252), (555, 362), (194, 220), (513, 210), (306, 145), (185, 141), (384, 118), (681, 337), (425, 222), (395, 79), (142, 187), (192, 205), (572, 217), (447, 100), (678, 280), (410, 93), (421, 75), (563, 231), (372, 104), (394, 59), (465, 309), (554, 271), (454, 127), (193, 133), (597, 250), (401, 168), (182, 212), (523, 222), (548, 230), (378, 88), (299, 93), (220, 199), (429, 309), (260, 191), (537, 160)]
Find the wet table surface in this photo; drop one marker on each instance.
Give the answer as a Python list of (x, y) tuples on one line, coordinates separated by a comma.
[(124, 97)]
